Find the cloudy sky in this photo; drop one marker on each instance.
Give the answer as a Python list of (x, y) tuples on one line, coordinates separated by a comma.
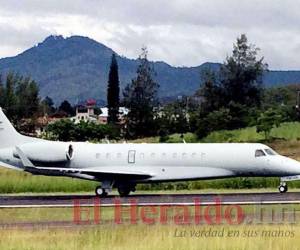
[(180, 32)]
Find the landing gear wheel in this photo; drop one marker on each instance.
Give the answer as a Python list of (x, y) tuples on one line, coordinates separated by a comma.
[(101, 192), (283, 187), (124, 191)]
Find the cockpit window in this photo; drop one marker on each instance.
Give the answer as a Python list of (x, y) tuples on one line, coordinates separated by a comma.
[(270, 151), (259, 153)]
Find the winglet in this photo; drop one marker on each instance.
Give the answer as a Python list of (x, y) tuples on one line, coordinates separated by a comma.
[(25, 161)]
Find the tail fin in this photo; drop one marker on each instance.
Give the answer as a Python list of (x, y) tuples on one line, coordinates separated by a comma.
[(8, 135)]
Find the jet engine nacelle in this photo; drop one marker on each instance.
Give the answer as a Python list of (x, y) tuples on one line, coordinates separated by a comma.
[(47, 151)]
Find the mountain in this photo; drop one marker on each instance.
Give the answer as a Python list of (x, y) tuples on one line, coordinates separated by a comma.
[(76, 68)]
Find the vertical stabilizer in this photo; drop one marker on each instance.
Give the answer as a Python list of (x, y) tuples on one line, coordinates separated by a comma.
[(9, 137)]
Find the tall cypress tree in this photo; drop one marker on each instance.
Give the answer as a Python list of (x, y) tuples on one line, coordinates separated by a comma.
[(113, 90)]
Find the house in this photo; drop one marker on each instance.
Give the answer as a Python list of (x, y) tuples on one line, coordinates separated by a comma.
[(86, 112)]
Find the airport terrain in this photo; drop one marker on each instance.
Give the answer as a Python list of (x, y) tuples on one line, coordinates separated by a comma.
[(42, 221)]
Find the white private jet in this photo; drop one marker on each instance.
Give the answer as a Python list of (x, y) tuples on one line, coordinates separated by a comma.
[(124, 165)]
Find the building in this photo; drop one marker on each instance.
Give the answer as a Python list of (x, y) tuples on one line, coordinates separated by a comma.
[(86, 112), (103, 117)]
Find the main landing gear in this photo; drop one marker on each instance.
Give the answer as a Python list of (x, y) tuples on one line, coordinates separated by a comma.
[(283, 187), (101, 192), (104, 189), (124, 189)]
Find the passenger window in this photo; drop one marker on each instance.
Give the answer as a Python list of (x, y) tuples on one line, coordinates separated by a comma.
[(174, 155), (270, 151), (194, 155), (98, 155), (108, 156), (259, 153), (164, 155), (119, 155), (184, 155), (153, 155), (142, 156)]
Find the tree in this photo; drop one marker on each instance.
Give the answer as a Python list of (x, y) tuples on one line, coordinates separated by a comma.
[(216, 120), (19, 96), (173, 117), (113, 90), (241, 74), (268, 120), (63, 130), (140, 97), (27, 94), (67, 130), (48, 105), (236, 87), (10, 98), (66, 107), (210, 92)]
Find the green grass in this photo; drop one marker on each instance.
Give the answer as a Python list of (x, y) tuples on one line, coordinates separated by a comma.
[(12, 181), (289, 131), (188, 137), (32, 215), (107, 214), (143, 237), (174, 138), (238, 135)]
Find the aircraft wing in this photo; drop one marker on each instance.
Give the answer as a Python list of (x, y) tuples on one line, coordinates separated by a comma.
[(98, 173)]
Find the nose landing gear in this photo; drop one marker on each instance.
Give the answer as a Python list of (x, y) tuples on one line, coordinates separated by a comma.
[(283, 188)]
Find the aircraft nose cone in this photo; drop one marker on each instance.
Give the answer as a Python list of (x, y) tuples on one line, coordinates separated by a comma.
[(292, 165)]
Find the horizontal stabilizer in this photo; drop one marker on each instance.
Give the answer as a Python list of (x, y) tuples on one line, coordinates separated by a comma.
[(25, 161)]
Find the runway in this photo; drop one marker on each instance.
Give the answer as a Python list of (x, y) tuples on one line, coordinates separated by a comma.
[(15, 201)]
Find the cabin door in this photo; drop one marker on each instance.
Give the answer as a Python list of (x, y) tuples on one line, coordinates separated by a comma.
[(131, 156)]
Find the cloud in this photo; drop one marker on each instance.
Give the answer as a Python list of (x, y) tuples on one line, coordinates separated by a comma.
[(178, 32)]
